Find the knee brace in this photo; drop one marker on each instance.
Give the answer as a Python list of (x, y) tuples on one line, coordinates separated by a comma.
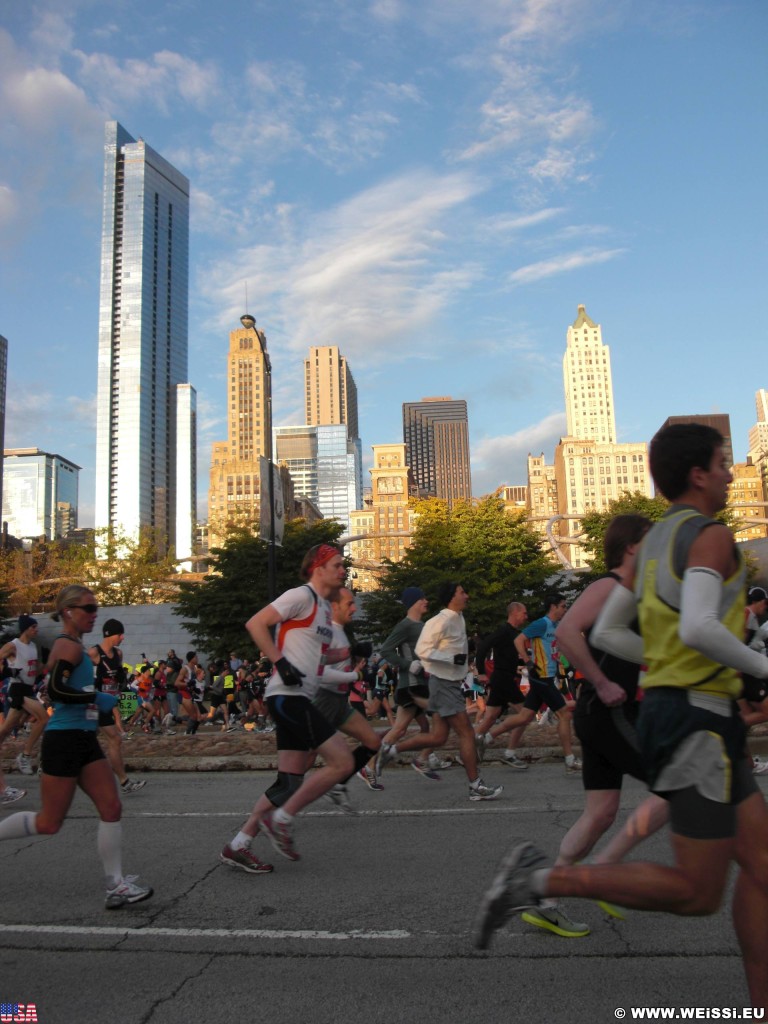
[(283, 788)]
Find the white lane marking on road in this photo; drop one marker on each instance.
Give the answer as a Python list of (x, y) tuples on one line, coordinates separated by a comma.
[(401, 813), (197, 933)]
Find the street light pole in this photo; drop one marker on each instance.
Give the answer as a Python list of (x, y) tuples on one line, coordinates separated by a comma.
[(249, 323)]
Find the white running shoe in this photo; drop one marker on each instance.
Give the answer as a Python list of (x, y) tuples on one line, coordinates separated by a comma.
[(479, 791), (10, 795), (127, 891), (24, 763)]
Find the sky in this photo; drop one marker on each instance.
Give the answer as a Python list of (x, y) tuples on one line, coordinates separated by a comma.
[(432, 185)]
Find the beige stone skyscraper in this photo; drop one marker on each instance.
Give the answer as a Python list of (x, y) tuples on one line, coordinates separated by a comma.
[(587, 380), (233, 492), (330, 394)]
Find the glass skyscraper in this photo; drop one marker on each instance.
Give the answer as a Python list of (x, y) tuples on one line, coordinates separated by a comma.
[(40, 495), (324, 465), (144, 462)]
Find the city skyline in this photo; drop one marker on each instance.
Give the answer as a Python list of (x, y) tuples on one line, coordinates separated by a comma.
[(436, 201)]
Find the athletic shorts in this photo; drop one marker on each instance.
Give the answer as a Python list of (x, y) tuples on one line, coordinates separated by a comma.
[(17, 691), (65, 752), (217, 699), (106, 718), (694, 750), (298, 723), (334, 707), (543, 691), (504, 690), (446, 697), (404, 696), (610, 748)]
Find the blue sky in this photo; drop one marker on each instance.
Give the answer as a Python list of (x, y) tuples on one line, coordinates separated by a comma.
[(431, 185)]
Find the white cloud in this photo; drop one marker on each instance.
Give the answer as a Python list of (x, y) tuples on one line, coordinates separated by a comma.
[(562, 264), (504, 459), (165, 77), (367, 274)]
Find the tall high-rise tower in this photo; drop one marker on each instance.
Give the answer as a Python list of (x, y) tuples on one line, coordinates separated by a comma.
[(144, 474), (436, 436), (234, 489), (587, 380), (330, 398), (330, 393)]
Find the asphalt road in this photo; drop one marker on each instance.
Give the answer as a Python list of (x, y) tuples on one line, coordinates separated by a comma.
[(372, 925)]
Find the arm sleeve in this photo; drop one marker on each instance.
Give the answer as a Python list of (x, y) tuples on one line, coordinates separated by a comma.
[(59, 689), (389, 649), (612, 633), (701, 628), (759, 638)]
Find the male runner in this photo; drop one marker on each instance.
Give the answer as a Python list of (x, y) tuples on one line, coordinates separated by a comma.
[(504, 684), (442, 649), (542, 673), (343, 667), (304, 632), (110, 677), (689, 595)]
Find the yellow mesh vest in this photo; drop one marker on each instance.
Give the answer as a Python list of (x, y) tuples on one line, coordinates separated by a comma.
[(657, 588)]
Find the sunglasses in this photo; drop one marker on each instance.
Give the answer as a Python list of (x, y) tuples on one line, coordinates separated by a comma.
[(91, 609)]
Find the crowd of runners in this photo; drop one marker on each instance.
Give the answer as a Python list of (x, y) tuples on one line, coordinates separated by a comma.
[(659, 667)]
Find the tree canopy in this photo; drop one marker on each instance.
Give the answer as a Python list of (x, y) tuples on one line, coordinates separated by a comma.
[(595, 523), (119, 570), (215, 611), (493, 553)]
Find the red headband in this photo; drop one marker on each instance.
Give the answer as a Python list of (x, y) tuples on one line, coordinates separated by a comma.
[(324, 554)]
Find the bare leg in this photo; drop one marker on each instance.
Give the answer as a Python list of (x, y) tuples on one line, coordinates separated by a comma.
[(649, 817), (750, 902)]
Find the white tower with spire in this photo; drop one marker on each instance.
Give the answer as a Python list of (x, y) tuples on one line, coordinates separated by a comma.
[(587, 381)]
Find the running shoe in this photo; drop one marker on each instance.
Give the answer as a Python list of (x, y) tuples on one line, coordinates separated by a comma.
[(340, 798), (509, 891), (480, 791), (554, 919), (369, 778), (10, 795), (127, 891), (759, 767), (437, 763), (132, 785), (279, 834), (611, 910), (383, 758), (573, 767), (168, 721), (245, 860), (514, 762), (24, 763), (425, 770)]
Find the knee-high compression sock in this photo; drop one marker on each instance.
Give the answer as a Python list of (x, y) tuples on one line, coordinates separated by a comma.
[(19, 825), (362, 755), (109, 842)]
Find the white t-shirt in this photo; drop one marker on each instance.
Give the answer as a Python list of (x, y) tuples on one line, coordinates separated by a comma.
[(338, 673), (303, 637), (24, 663)]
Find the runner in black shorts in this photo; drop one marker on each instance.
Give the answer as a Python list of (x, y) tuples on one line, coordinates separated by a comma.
[(504, 683), (71, 756)]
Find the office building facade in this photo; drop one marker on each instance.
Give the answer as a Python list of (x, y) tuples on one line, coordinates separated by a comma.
[(324, 464), (234, 491), (436, 438), (142, 356), (587, 382), (40, 497)]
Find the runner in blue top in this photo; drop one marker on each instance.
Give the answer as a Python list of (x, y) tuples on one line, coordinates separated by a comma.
[(70, 753)]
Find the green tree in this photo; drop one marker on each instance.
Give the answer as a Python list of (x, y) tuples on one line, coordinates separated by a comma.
[(215, 611), (595, 523), (493, 553)]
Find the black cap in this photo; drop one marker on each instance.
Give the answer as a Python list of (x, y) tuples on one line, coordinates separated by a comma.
[(112, 627)]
